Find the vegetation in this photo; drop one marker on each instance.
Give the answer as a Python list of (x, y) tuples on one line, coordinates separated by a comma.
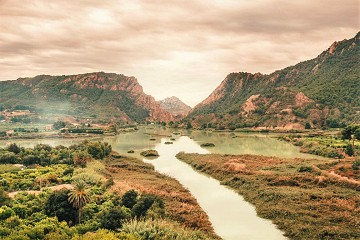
[(61, 199), (149, 153), (307, 199), (207, 145), (331, 145)]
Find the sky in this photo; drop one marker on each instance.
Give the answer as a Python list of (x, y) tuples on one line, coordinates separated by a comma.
[(173, 47)]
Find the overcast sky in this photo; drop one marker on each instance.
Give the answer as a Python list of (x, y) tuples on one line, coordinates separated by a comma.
[(173, 47)]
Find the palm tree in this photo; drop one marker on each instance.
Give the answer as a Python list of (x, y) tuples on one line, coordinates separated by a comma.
[(79, 197)]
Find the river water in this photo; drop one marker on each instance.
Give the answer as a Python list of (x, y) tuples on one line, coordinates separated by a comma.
[(231, 216)]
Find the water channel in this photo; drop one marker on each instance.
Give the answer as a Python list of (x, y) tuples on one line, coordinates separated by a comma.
[(231, 216)]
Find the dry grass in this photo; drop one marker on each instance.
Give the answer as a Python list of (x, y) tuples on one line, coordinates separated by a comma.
[(132, 173), (310, 204)]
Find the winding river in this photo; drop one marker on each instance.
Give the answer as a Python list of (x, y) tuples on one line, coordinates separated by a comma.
[(231, 216)]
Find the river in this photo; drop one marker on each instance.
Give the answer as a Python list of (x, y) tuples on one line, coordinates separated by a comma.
[(231, 216)]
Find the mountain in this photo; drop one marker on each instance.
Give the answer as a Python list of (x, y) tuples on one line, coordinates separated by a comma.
[(321, 92), (175, 106), (106, 95)]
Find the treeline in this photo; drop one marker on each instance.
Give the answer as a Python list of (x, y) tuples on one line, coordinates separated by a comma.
[(44, 155)]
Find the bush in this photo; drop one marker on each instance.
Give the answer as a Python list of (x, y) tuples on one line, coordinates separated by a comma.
[(356, 165), (305, 169), (6, 212), (58, 205), (349, 150), (129, 199), (144, 204), (113, 218), (13, 147)]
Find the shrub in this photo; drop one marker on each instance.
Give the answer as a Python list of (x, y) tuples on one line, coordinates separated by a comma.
[(349, 150), (305, 169), (113, 218), (144, 203), (6, 212), (58, 205), (129, 198), (356, 165)]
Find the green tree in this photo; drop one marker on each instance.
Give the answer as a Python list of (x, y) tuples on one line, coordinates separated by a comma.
[(58, 205), (81, 158), (13, 147), (113, 218), (59, 124), (129, 198), (144, 204), (349, 150), (307, 126), (79, 197)]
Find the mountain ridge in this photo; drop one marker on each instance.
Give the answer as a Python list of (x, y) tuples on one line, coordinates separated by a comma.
[(328, 84), (87, 93)]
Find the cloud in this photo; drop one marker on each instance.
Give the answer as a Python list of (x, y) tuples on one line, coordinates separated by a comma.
[(185, 47)]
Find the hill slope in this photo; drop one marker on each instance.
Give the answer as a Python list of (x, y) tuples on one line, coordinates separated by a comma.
[(106, 95), (175, 106), (323, 91)]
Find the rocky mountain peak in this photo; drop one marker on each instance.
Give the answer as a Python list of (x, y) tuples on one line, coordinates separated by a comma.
[(175, 106)]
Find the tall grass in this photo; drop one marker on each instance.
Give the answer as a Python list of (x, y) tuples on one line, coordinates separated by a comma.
[(160, 229)]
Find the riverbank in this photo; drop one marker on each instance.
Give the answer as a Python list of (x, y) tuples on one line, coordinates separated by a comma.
[(132, 173), (303, 197), (161, 207)]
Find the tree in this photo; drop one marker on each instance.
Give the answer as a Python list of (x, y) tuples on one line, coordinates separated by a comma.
[(79, 197), (144, 204), (13, 147), (349, 150), (59, 124), (58, 205), (307, 126), (113, 218), (129, 198), (81, 158)]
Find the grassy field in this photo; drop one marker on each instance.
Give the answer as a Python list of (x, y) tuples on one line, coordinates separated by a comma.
[(304, 198)]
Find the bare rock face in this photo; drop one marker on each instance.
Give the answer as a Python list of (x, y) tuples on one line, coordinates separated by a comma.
[(175, 106)]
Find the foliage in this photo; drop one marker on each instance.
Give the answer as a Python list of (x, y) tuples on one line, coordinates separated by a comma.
[(144, 203), (79, 197), (129, 198), (98, 150), (58, 205), (349, 150), (160, 230), (80, 158), (113, 218), (356, 165), (59, 124)]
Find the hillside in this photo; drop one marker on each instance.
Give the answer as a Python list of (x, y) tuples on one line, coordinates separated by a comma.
[(104, 95), (175, 106), (321, 92)]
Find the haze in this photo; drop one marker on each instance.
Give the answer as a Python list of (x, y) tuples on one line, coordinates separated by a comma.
[(181, 48)]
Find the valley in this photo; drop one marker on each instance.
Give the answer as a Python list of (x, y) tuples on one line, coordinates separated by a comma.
[(264, 156)]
